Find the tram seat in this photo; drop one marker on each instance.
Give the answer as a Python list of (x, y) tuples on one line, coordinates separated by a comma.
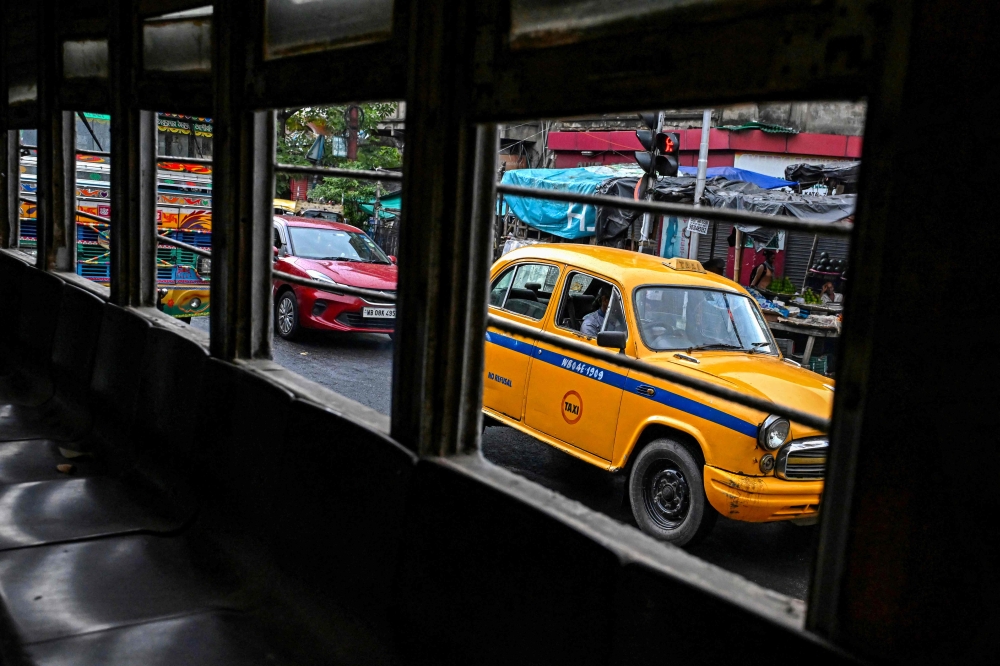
[(29, 381), (116, 493), (66, 415), (290, 550), (11, 271)]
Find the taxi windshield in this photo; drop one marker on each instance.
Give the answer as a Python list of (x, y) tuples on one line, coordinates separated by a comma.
[(679, 318), (336, 245)]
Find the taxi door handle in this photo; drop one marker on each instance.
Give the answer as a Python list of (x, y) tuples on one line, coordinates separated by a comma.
[(645, 390)]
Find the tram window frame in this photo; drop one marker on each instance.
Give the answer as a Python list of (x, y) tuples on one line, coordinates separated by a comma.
[(828, 68)]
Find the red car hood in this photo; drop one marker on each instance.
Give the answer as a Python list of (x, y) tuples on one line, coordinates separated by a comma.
[(353, 273)]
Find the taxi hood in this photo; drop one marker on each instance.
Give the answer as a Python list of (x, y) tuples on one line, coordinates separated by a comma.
[(759, 375)]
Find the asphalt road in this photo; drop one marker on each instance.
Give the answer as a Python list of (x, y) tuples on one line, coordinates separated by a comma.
[(359, 366)]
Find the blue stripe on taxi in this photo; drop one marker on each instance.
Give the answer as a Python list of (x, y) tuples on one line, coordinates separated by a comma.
[(625, 383)]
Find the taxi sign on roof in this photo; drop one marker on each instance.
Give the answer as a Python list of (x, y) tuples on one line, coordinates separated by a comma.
[(679, 264)]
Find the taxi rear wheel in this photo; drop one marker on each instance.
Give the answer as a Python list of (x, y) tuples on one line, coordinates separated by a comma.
[(667, 494)]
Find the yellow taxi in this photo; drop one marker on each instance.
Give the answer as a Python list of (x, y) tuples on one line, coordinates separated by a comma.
[(687, 457)]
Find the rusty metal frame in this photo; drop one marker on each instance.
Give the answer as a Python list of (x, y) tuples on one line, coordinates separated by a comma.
[(10, 167), (9, 214), (133, 167), (243, 177)]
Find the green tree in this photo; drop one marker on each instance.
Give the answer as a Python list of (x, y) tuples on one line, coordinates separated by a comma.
[(296, 136)]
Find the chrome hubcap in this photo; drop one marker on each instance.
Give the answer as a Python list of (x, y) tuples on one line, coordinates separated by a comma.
[(285, 315)]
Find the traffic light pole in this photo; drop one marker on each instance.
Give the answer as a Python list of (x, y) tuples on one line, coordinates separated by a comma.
[(647, 218), (699, 188)]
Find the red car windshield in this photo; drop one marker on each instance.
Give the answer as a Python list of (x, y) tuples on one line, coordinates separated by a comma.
[(335, 245)]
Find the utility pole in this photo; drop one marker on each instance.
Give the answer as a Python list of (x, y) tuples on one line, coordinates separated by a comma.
[(699, 188)]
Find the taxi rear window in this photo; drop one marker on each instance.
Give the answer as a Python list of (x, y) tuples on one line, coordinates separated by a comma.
[(525, 289)]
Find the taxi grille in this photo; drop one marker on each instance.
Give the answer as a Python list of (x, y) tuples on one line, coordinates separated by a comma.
[(802, 460)]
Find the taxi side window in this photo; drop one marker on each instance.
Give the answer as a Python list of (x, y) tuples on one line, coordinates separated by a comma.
[(580, 309), (615, 319), (525, 289)]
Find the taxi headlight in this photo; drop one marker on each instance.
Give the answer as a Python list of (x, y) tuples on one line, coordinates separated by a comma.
[(773, 432)]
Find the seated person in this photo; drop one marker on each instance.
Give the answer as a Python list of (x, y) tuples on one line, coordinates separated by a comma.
[(828, 295), (592, 323)]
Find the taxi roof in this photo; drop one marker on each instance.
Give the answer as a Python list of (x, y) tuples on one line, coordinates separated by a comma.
[(630, 269)]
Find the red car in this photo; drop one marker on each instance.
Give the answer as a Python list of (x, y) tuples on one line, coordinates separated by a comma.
[(336, 253)]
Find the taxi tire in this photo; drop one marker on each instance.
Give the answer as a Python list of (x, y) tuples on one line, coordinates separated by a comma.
[(701, 516)]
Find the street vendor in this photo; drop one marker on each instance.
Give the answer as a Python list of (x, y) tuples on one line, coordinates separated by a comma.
[(828, 295), (763, 273)]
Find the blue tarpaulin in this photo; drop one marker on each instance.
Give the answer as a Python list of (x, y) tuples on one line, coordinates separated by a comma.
[(558, 218), (575, 220), (732, 173)]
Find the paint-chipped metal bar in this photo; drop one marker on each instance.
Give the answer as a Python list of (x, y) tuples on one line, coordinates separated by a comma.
[(331, 172), (683, 210), (629, 363)]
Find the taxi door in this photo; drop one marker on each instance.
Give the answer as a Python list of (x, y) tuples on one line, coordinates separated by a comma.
[(571, 397), (521, 293)]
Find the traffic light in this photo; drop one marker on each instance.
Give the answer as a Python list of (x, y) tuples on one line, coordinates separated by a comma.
[(661, 148)]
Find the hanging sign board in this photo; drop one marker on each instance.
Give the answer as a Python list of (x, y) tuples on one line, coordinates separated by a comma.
[(698, 226)]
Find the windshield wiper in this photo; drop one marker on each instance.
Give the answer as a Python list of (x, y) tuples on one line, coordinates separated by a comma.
[(756, 347), (339, 259), (714, 345)]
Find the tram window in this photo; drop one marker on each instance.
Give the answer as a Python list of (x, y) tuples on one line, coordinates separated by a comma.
[(93, 197), (184, 213), (790, 269), (343, 231)]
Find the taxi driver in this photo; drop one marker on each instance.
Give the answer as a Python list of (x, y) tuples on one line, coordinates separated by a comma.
[(591, 324)]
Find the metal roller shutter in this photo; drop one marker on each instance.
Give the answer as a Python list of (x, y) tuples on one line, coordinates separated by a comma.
[(797, 246)]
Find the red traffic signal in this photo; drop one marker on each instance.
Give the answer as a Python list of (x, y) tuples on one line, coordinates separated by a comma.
[(661, 154)]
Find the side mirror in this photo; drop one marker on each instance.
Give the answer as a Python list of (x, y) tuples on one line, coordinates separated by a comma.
[(612, 339), (392, 258), (276, 251)]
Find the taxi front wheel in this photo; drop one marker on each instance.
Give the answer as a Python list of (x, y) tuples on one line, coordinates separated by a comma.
[(667, 494)]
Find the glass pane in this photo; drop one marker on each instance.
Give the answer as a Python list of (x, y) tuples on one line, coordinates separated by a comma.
[(532, 290), (85, 59), (19, 93), (551, 17), (178, 46), (294, 26), (499, 290)]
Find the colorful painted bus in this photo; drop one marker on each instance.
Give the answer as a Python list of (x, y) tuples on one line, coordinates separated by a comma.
[(183, 212)]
